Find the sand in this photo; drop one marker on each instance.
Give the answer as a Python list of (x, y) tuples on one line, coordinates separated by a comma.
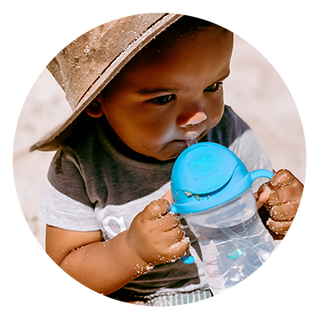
[(254, 90)]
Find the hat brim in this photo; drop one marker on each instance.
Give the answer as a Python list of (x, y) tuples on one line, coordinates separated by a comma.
[(53, 140)]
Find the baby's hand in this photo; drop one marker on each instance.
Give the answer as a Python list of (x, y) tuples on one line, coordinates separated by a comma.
[(281, 197), (156, 234)]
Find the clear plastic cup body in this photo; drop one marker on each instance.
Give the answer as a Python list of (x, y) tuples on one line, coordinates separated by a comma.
[(233, 240)]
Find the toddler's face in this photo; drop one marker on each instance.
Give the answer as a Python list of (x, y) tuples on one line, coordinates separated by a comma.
[(157, 103)]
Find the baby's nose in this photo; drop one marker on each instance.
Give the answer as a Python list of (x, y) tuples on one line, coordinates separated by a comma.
[(194, 119)]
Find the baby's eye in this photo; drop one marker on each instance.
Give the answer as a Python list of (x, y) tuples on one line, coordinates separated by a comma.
[(162, 100), (214, 87)]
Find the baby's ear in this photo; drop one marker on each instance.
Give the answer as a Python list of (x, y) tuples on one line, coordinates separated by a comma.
[(94, 109)]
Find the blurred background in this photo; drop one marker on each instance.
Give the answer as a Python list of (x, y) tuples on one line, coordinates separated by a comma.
[(254, 90)]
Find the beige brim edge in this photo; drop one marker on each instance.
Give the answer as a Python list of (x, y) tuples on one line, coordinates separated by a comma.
[(53, 139)]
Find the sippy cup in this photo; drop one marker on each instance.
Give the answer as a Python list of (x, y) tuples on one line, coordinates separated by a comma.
[(211, 188)]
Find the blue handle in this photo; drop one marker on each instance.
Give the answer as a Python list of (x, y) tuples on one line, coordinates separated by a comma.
[(260, 173), (187, 259)]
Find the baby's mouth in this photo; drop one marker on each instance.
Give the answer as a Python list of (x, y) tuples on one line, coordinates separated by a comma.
[(190, 139), (191, 142), (187, 141), (193, 138)]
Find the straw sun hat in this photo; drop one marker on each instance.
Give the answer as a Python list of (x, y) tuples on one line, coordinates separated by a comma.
[(89, 63)]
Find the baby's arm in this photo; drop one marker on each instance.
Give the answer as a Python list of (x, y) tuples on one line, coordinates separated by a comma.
[(155, 236), (101, 266)]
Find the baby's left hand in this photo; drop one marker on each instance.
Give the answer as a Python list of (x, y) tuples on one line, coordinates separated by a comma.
[(281, 197)]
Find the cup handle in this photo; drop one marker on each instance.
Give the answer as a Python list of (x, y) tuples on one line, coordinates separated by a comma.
[(187, 259), (260, 173)]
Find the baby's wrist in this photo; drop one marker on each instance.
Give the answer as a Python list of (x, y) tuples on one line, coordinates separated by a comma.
[(141, 266)]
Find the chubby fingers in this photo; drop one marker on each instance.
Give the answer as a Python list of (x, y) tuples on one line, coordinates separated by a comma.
[(156, 209), (284, 211), (285, 196), (280, 228), (177, 250), (267, 192), (168, 222), (286, 193), (166, 236), (168, 196), (283, 202), (281, 178), (262, 195)]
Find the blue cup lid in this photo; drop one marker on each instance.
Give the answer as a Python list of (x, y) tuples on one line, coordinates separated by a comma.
[(208, 174)]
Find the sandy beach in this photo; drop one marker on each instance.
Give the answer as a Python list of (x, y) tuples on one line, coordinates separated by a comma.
[(254, 90)]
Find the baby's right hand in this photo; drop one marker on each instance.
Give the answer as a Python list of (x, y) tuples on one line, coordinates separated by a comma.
[(156, 234)]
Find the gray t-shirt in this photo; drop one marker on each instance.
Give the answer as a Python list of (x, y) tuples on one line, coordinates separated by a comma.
[(92, 186)]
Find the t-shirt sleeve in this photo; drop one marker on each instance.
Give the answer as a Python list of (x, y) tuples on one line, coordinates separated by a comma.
[(250, 152), (65, 203)]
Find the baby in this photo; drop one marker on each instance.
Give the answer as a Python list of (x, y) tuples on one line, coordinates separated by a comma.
[(114, 157)]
